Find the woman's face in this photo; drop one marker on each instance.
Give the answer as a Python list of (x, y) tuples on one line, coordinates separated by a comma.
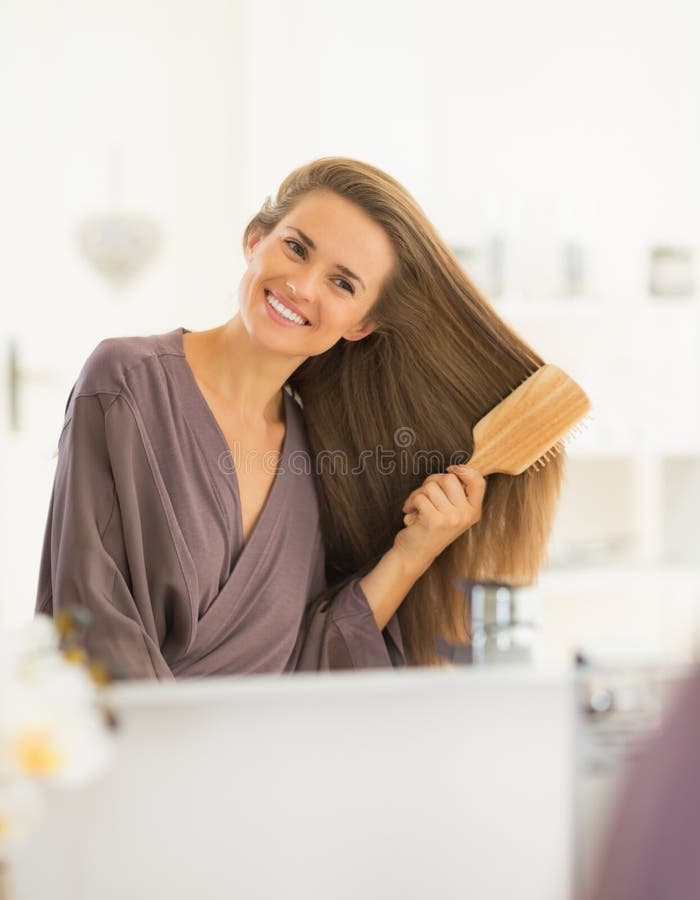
[(336, 260)]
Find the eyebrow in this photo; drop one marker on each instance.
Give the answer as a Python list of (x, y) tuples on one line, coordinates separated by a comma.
[(344, 269)]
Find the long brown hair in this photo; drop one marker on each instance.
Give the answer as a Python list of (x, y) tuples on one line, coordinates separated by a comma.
[(439, 360)]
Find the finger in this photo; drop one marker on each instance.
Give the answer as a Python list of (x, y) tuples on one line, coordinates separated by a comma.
[(440, 478), (473, 481), (455, 490), (436, 494), (422, 506), (408, 504), (461, 484), (433, 492), (446, 491)]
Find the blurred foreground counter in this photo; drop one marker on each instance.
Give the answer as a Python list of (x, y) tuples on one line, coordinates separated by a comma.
[(449, 783), (378, 784)]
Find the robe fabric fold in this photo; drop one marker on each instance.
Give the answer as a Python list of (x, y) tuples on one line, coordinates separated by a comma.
[(145, 531)]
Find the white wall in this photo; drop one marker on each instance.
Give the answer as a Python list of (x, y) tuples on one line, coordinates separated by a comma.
[(539, 120), (160, 86)]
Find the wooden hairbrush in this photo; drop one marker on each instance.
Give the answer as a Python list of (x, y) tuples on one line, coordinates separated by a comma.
[(530, 426)]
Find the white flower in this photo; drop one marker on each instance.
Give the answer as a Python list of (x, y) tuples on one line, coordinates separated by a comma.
[(51, 727), (61, 744)]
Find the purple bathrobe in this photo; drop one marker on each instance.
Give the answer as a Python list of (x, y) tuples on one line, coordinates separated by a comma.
[(145, 531)]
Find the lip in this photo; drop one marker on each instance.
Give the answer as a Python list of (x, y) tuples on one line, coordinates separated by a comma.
[(288, 304)]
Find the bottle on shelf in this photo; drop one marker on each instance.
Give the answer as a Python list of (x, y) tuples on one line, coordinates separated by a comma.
[(503, 622)]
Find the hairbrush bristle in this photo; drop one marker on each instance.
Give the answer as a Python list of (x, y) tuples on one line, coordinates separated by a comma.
[(562, 443)]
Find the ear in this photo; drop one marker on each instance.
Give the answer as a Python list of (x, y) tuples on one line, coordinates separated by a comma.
[(253, 239), (361, 331)]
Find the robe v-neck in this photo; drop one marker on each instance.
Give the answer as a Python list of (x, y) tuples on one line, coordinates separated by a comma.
[(229, 453)]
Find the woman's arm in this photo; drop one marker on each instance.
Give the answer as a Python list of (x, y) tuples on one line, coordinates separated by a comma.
[(106, 549), (387, 584), (359, 627), (447, 506)]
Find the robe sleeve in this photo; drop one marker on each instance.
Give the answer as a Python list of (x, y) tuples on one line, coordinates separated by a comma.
[(107, 546), (342, 633)]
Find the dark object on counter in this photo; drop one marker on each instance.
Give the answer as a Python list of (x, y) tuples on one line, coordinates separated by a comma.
[(459, 654)]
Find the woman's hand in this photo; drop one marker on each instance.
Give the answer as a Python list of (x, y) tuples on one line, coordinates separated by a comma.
[(438, 512)]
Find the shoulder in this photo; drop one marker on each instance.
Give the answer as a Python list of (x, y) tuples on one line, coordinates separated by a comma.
[(106, 368)]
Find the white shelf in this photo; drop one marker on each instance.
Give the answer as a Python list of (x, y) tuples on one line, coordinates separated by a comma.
[(632, 482), (637, 360)]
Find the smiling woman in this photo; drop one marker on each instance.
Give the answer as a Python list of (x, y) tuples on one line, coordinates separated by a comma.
[(195, 515), (308, 264)]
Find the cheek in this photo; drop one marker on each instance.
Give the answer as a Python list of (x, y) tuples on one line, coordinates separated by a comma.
[(252, 274), (247, 290), (245, 282), (333, 317)]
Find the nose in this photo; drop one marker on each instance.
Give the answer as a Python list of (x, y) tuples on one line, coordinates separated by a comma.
[(305, 284)]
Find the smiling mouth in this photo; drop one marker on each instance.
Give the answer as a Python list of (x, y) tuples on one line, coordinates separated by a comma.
[(284, 311)]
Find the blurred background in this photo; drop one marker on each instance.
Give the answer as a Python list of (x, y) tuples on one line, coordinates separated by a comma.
[(554, 145)]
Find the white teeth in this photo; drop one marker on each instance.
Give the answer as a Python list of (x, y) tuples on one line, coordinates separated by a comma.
[(283, 311)]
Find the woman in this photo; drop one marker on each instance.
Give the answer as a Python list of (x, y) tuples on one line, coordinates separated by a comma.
[(195, 555)]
